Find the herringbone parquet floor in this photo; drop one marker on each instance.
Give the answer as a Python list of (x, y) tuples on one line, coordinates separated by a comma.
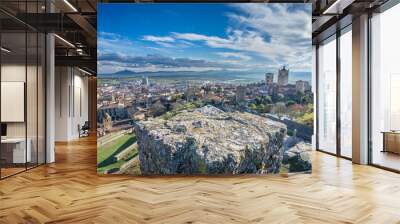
[(70, 191)]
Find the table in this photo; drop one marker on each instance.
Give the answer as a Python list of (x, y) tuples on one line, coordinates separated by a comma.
[(13, 150), (391, 141)]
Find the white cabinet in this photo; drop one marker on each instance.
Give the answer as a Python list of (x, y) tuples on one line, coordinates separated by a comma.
[(19, 155)]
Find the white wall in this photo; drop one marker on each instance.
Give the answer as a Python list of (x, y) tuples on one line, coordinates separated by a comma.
[(71, 87), (17, 73), (33, 126), (61, 104)]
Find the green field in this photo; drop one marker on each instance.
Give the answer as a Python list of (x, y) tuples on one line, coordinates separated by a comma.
[(106, 153)]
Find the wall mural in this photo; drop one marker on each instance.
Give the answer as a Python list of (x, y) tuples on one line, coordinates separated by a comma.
[(204, 88)]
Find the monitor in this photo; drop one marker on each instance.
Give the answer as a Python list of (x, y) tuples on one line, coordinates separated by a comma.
[(3, 129)]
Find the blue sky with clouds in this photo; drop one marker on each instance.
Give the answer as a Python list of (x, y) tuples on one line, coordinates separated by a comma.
[(254, 37)]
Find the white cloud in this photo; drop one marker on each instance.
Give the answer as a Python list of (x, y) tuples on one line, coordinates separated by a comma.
[(167, 41), (164, 44), (113, 66), (289, 29), (158, 38), (278, 20), (112, 62), (247, 41), (112, 42), (108, 35), (273, 34), (276, 32), (234, 55)]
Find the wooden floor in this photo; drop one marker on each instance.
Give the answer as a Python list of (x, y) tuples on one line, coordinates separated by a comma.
[(5, 172), (386, 159), (70, 191)]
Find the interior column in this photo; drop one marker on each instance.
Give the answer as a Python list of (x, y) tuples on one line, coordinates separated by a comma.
[(360, 90)]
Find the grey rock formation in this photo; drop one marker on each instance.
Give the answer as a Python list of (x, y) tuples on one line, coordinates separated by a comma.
[(290, 141), (210, 141), (298, 157)]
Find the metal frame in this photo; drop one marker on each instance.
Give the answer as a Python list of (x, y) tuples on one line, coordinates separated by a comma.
[(44, 71), (316, 97), (389, 4), (0, 90), (338, 75), (380, 9), (37, 92), (26, 89), (369, 98), (338, 152)]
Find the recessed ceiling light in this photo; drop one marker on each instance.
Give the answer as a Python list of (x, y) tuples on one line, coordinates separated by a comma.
[(337, 7), (5, 50), (86, 72), (70, 5), (64, 40)]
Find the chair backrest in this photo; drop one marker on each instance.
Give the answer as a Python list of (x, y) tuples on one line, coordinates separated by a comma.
[(86, 125)]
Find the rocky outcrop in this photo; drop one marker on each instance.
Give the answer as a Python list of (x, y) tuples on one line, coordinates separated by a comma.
[(210, 141), (297, 158)]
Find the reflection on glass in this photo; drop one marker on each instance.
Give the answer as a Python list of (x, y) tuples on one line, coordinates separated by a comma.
[(13, 79), (394, 102), (22, 90), (327, 96), (41, 99), (385, 86), (31, 97), (346, 94)]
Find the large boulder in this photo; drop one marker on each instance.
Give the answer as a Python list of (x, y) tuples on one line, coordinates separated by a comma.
[(298, 157), (210, 141)]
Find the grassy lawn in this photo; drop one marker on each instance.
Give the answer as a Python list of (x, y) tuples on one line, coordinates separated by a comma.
[(111, 166), (117, 164), (106, 154)]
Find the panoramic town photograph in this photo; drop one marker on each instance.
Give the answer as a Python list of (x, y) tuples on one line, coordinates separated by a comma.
[(214, 89)]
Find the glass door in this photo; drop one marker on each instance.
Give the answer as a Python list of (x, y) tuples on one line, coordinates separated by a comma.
[(22, 90), (385, 89), (14, 156), (327, 96)]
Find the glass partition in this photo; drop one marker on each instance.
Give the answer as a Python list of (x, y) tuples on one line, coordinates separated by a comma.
[(346, 93), (31, 97), (327, 96), (13, 92), (22, 101), (41, 97), (385, 89)]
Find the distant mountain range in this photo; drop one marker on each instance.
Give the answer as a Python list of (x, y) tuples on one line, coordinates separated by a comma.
[(205, 75), (163, 73)]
